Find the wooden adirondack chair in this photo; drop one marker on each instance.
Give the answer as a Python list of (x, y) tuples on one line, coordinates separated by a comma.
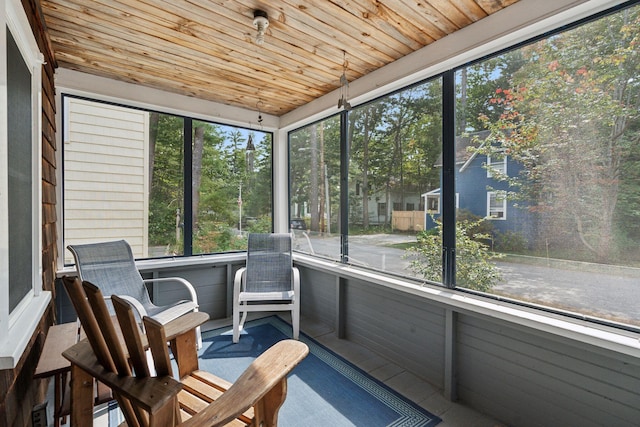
[(199, 399)]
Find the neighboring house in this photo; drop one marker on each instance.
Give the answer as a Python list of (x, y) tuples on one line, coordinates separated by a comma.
[(381, 209), (480, 193), (106, 167)]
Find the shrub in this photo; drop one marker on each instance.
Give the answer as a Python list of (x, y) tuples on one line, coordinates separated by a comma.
[(510, 241), (474, 269)]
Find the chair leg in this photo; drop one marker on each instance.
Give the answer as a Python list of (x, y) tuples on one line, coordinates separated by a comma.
[(295, 322), (266, 410), (198, 338), (240, 324), (236, 324)]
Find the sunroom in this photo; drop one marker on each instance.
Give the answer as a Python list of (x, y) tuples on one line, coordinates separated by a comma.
[(461, 180)]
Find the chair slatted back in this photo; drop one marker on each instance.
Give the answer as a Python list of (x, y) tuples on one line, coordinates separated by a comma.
[(110, 265), (131, 335), (158, 344), (269, 263), (107, 328), (93, 314)]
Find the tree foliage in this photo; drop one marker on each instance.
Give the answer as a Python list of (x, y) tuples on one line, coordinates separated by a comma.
[(221, 169), (570, 116), (474, 269)]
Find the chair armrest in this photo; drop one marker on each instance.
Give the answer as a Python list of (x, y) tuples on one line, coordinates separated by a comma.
[(296, 281), (237, 281), (184, 323), (184, 282), (265, 373), (150, 393)]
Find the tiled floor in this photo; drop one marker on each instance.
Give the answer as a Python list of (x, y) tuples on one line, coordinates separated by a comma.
[(424, 394)]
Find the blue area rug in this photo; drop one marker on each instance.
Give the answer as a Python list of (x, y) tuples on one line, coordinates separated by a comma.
[(323, 390)]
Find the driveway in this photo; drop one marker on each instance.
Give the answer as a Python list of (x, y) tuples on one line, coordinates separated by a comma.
[(608, 292)]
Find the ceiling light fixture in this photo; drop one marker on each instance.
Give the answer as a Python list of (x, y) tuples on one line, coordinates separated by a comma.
[(343, 102), (260, 22)]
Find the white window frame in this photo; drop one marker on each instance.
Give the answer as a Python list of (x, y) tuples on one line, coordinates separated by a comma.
[(432, 195), (436, 194), (17, 326), (499, 166), (494, 194)]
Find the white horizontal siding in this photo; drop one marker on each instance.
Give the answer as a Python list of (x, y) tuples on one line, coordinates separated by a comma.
[(106, 175), (89, 144), (101, 215)]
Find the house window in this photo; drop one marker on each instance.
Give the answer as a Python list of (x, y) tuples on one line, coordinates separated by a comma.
[(433, 203), (397, 206), (496, 205), (496, 166), (125, 177), (410, 206), (382, 209), (22, 301)]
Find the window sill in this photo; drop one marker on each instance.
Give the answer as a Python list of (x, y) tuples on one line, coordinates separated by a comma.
[(174, 262), (604, 337), (13, 346)]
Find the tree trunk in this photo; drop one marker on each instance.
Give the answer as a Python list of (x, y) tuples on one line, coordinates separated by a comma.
[(154, 119), (365, 174), (196, 171), (322, 189), (313, 195)]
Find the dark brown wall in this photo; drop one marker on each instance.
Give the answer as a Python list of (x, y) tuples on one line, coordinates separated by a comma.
[(18, 391)]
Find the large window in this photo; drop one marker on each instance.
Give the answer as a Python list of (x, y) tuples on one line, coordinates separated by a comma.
[(394, 148), (22, 301), (534, 187), (314, 164), (127, 171), (566, 113)]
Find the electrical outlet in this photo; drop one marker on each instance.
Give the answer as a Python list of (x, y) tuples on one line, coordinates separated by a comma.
[(39, 415)]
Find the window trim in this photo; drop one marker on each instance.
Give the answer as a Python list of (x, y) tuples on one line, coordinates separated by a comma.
[(500, 169), (435, 194), (555, 323), (17, 327), (496, 194)]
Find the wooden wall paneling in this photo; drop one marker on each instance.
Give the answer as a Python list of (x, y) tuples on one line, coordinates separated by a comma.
[(530, 380), (317, 296), (403, 328)]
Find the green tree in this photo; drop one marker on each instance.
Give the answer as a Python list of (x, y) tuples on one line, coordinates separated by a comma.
[(166, 192), (473, 267), (569, 118)]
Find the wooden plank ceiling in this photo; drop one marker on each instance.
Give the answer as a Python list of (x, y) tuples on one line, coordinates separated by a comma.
[(207, 48)]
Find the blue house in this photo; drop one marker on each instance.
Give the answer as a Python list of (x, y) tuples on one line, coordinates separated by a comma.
[(480, 192)]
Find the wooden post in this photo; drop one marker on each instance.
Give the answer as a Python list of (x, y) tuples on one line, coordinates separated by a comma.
[(81, 398)]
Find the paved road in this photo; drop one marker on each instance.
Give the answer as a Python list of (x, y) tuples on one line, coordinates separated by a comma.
[(588, 289), (615, 296)]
